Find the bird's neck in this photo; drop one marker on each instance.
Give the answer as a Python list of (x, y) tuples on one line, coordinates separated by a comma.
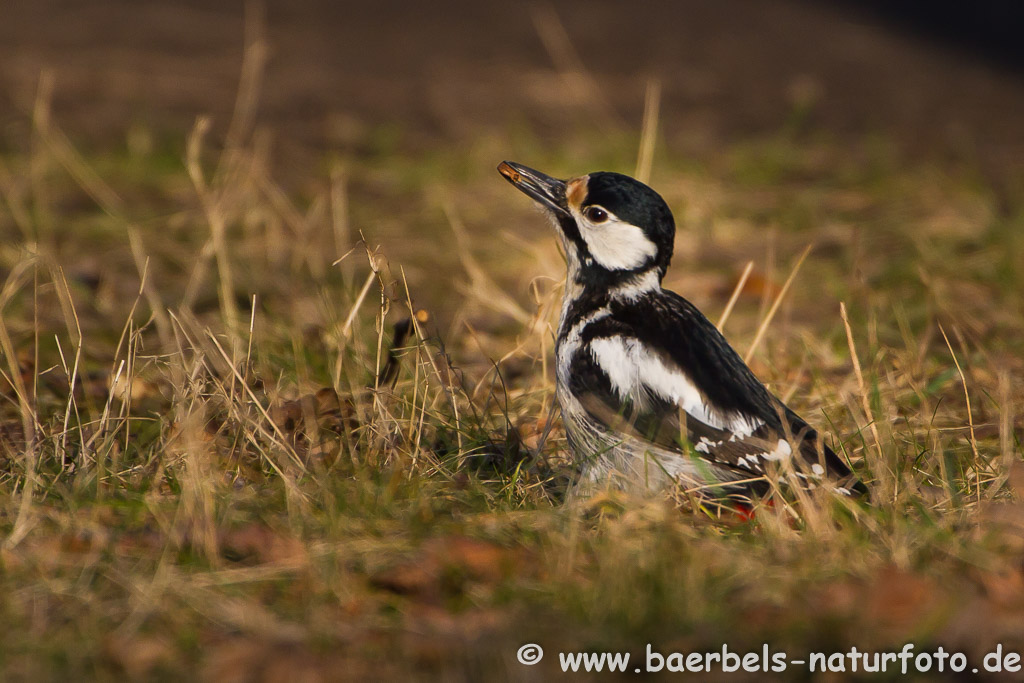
[(588, 290), (638, 284), (585, 279)]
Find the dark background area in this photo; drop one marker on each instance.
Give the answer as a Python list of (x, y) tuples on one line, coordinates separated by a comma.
[(989, 28)]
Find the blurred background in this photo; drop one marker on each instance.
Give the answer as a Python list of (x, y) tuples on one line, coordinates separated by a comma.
[(939, 78), (418, 102)]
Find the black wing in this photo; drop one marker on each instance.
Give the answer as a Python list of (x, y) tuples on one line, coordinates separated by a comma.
[(687, 343)]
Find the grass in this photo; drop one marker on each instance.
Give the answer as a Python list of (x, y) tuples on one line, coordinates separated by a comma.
[(201, 469)]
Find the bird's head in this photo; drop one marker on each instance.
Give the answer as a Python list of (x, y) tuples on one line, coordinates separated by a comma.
[(614, 228)]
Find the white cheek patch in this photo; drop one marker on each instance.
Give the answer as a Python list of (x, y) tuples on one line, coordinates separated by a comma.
[(616, 245), (631, 368)]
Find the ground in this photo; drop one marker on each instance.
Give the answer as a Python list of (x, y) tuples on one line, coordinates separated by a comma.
[(220, 454)]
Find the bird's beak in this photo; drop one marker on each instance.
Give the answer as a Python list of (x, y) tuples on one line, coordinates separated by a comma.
[(541, 188)]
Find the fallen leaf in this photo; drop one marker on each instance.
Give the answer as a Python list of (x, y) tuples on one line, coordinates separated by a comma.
[(411, 578), (479, 560), (257, 543), (445, 563), (137, 656)]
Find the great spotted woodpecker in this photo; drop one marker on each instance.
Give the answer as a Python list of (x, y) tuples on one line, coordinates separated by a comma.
[(651, 393)]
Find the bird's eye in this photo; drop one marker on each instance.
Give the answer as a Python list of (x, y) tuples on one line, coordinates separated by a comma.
[(595, 214)]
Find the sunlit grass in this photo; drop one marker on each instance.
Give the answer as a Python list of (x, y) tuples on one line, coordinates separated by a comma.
[(204, 467)]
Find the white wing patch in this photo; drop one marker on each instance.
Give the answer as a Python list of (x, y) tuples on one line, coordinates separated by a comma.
[(631, 368), (782, 450), (705, 445)]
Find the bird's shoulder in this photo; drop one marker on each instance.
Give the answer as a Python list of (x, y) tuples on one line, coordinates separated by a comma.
[(664, 326)]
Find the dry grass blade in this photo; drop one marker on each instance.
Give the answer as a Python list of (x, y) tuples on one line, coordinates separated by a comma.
[(75, 332), (862, 386), (649, 131), (60, 146), (15, 280), (156, 304), (346, 326), (24, 518), (775, 305), (737, 290), (217, 221), (254, 59), (341, 226), (967, 401)]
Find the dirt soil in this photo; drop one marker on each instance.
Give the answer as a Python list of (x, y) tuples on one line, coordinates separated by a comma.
[(445, 70)]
